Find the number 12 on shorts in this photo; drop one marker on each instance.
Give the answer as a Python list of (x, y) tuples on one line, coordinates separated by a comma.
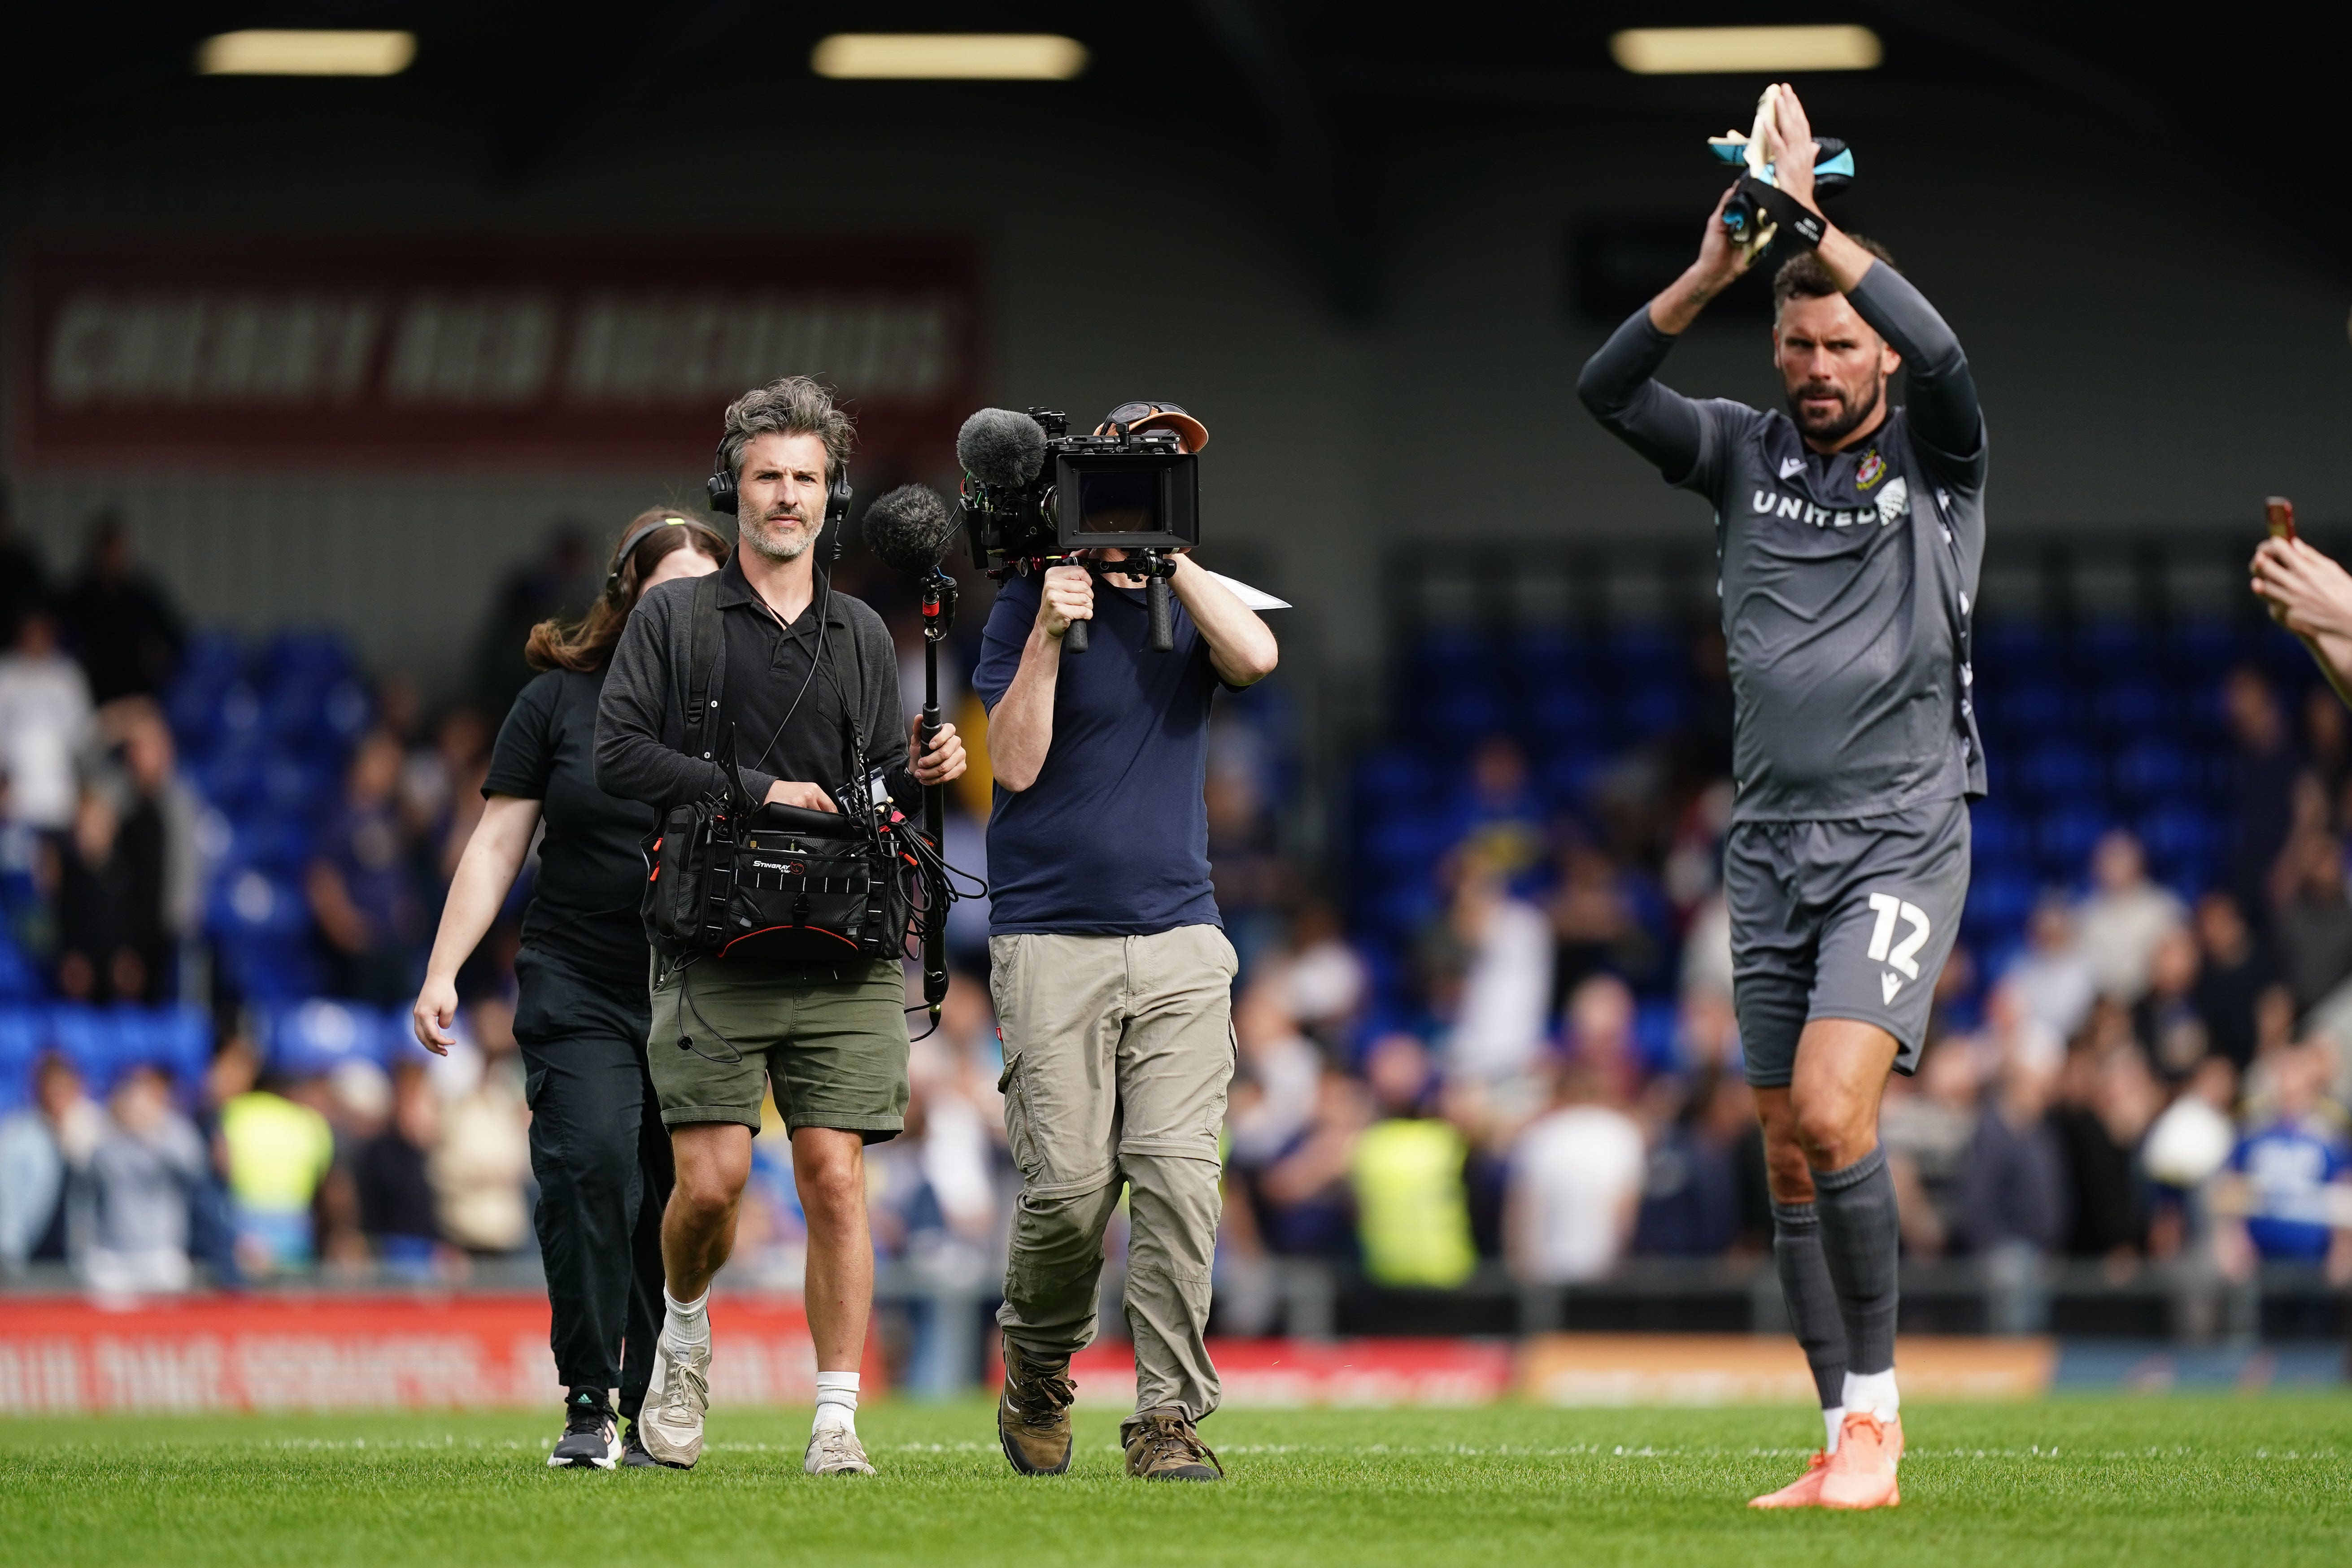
[(1883, 949)]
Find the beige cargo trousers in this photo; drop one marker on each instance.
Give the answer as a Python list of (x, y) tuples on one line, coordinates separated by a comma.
[(1117, 1051)]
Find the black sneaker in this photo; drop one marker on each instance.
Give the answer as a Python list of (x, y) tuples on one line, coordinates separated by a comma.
[(633, 1455), (592, 1439)]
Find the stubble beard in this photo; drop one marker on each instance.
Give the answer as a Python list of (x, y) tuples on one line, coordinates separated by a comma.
[(775, 546), (1851, 419)]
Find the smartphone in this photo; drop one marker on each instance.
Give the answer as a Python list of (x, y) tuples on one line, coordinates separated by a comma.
[(2281, 513)]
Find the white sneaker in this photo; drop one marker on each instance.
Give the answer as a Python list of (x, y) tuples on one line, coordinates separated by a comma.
[(835, 1451), (671, 1421)]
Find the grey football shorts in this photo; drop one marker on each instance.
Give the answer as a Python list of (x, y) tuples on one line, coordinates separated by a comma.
[(1842, 920)]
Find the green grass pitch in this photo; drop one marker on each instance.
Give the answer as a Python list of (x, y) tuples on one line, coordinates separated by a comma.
[(2142, 1481)]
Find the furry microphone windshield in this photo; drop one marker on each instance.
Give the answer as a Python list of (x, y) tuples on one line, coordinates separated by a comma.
[(998, 447), (908, 529)]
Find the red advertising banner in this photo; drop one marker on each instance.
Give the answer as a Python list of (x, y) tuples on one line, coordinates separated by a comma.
[(475, 350), (65, 1355), (1375, 1372)]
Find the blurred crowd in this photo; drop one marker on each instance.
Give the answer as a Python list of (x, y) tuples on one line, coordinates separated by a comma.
[(1537, 1075)]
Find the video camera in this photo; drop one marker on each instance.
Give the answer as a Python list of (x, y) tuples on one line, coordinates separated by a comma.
[(1036, 496)]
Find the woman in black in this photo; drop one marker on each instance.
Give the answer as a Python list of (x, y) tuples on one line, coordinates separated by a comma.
[(597, 1144)]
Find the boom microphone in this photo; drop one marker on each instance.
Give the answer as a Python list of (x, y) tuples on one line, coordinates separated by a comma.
[(998, 447), (908, 529)]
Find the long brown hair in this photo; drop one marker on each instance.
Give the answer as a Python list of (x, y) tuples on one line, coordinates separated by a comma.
[(582, 645)]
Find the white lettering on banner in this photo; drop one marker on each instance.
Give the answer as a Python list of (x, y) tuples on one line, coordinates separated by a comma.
[(474, 350), (665, 348), (240, 347), (461, 349), (41, 1374), (161, 1374)]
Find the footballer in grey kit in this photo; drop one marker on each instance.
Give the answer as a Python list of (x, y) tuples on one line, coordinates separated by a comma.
[(1849, 532)]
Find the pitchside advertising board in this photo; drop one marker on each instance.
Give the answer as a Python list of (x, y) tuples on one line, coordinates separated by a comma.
[(460, 351)]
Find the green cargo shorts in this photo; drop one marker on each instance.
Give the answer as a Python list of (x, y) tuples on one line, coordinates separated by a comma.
[(834, 1050)]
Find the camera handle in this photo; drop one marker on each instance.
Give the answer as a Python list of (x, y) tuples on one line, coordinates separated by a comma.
[(1155, 567), (938, 616)]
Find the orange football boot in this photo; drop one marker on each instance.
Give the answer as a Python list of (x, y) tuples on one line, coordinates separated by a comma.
[(1861, 1474), (1805, 1491)]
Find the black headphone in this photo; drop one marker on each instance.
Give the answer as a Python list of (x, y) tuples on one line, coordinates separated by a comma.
[(629, 547), (720, 488)]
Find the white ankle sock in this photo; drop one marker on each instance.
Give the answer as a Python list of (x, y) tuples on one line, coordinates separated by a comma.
[(1833, 1417), (685, 1324), (1874, 1392), (837, 1402)]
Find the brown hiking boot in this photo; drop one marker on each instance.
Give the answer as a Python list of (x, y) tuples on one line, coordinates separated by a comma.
[(1032, 1417), (1161, 1446)]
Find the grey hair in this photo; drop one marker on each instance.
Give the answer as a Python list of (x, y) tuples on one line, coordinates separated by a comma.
[(792, 405)]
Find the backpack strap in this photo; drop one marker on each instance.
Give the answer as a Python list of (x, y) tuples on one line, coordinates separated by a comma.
[(702, 659), (849, 682)]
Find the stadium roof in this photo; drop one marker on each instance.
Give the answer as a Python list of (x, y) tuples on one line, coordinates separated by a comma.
[(2234, 106)]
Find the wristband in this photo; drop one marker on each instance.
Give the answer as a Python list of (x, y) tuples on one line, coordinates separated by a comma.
[(1802, 222)]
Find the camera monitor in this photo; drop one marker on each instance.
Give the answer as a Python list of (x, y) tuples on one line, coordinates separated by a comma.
[(1127, 500)]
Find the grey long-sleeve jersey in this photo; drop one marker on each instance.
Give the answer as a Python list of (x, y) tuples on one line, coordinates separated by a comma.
[(1847, 581)]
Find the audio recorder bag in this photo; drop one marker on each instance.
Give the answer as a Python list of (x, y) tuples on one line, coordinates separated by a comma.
[(797, 892)]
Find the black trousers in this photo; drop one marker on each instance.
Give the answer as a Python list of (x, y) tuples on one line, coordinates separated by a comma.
[(603, 1160)]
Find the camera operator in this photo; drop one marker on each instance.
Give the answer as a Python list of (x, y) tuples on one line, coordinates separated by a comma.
[(832, 1043), (1112, 978), (596, 1148)]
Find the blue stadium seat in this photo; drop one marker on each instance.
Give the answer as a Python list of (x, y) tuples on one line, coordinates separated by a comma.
[(251, 902), (1655, 1028), (1565, 778), (20, 977), (277, 845), (2102, 649), (1566, 714), (2059, 772), (1447, 727), (1550, 655), (1997, 832), (1999, 901), (90, 1038), (23, 1034), (2031, 708), (2005, 647), (2063, 839), (2155, 771), (2126, 709), (1650, 709), (1392, 774), (313, 1038), (263, 967), (2201, 650), (317, 718), (309, 653), (2183, 845), (1411, 841)]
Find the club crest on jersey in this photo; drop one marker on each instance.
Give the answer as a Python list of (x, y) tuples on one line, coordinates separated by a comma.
[(1869, 471)]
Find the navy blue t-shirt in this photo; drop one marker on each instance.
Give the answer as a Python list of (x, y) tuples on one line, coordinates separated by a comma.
[(1112, 839)]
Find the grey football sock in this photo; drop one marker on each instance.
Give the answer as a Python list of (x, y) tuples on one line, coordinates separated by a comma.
[(1860, 1242), (1812, 1298)]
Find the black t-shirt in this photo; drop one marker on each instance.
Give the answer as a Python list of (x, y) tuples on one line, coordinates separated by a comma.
[(767, 673), (584, 912)]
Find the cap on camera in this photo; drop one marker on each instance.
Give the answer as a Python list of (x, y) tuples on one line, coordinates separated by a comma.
[(1150, 414)]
